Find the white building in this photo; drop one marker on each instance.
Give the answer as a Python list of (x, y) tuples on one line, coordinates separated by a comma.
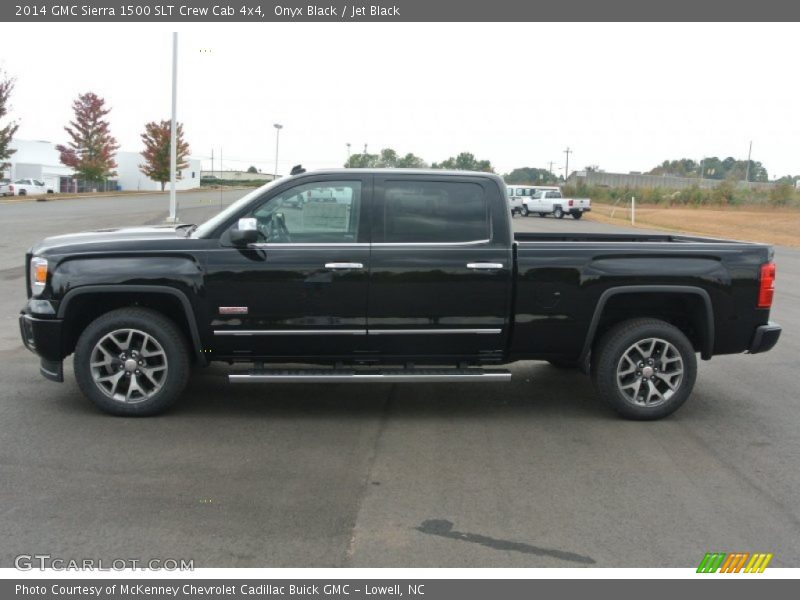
[(40, 160), (129, 177)]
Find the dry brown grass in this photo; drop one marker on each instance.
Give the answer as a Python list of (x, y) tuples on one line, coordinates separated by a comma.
[(779, 226)]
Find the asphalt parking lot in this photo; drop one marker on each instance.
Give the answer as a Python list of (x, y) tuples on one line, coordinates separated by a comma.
[(528, 474)]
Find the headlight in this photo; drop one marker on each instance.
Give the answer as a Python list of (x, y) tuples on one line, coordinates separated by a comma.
[(38, 274)]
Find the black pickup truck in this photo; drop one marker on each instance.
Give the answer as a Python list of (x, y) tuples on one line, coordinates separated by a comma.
[(397, 276)]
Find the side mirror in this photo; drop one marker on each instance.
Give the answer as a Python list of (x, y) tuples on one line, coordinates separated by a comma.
[(244, 232)]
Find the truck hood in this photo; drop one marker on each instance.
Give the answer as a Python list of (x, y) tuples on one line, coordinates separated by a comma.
[(103, 238)]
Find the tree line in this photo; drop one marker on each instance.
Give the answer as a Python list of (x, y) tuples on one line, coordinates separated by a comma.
[(91, 149)]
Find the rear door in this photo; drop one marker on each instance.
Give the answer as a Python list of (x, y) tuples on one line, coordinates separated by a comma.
[(440, 274)]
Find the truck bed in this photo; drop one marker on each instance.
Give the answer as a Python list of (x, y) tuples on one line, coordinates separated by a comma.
[(524, 237)]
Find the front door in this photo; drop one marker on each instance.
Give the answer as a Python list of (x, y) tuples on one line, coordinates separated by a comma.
[(440, 274), (301, 291)]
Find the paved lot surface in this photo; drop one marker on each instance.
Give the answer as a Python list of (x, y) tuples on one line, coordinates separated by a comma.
[(528, 474)]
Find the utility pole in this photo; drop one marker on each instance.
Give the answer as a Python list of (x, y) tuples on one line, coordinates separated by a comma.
[(212, 162), (566, 168), (551, 167), (747, 170), (173, 156), (348, 153), (278, 128)]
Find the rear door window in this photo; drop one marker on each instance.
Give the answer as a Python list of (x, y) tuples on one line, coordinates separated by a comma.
[(435, 212)]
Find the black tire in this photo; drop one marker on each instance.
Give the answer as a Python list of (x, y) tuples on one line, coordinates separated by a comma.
[(607, 364), (577, 215), (524, 211), (168, 338), (25, 193), (558, 212)]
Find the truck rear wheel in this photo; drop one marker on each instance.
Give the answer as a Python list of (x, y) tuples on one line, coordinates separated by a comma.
[(644, 368), (558, 212), (577, 215), (132, 362)]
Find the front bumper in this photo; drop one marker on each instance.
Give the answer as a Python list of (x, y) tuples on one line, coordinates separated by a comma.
[(44, 337), (765, 338)]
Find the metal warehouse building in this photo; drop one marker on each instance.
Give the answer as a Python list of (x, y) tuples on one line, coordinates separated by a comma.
[(39, 159)]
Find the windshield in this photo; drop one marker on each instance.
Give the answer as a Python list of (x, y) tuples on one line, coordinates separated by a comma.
[(209, 226)]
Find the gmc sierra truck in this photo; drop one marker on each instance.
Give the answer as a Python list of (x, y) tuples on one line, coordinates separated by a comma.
[(407, 276)]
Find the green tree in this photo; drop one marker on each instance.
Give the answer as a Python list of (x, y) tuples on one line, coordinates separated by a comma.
[(252, 169), (7, 132), (530, 176), (92, 149), (387, 159), (411, 161), (465, 161), (362, 161)]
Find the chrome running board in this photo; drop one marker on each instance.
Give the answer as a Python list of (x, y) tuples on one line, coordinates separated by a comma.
[(370, 376)]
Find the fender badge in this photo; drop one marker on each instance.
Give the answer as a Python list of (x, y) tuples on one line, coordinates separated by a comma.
[(233, 310)]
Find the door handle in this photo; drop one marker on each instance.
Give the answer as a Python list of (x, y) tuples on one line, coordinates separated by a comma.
[(336, 266), (484, 266)]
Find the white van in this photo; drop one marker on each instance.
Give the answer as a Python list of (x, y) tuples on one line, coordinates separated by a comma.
[(517, 194)]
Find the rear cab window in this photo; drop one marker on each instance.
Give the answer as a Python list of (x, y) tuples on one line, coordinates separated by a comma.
[(435, 212)]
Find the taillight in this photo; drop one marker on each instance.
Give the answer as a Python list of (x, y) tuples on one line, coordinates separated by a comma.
[(570, 202), (766, 289)]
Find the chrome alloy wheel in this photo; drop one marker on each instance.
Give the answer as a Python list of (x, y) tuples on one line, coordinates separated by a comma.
[(129, 365), (649, 372)]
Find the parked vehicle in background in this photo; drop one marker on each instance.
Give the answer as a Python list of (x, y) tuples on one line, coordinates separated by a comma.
[(518, 193), (552, 202), (410, 276), (28, 187)]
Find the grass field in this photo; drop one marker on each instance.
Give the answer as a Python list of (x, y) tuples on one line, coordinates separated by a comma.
[(779, 226)]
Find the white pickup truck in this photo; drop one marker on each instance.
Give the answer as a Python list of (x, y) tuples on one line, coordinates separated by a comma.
[(552, 202), (25, 187)]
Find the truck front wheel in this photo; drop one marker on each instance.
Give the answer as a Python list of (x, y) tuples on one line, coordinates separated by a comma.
[(132, 362), (644, 368), (523, 211)]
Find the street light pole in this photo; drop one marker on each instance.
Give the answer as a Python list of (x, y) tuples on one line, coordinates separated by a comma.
[(747, 171), (348, 153), (173, 151), (278, 128)]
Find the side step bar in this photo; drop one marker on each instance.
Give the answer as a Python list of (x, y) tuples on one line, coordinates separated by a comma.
[(369, 376)]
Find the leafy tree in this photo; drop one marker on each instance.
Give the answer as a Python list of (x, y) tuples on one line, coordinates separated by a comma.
[(362, 161), (7, 132), (410, 161), (388, 159), (790, 179), (530, 176), (156, 138), (251, 169), (465, 161), (713, 168), (91, 151)]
